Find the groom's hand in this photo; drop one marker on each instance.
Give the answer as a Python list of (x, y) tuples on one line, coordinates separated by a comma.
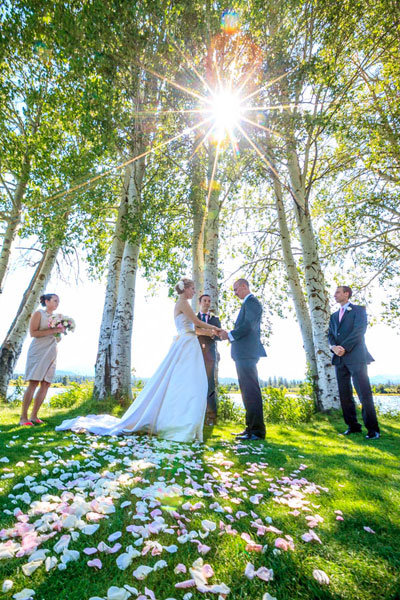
[(223, 335)]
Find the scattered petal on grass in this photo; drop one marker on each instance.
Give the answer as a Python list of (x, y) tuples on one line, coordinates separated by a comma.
[(180, 568), (208, 525), (186, 584), (96, 563), (268, 597), (24, 594), (283, 544), (368, 529), (142, 572), (116, 593), (249, 571), (310, 537), (265, 574), (50, 563), (321, 577), (31, 567), (7, 585)]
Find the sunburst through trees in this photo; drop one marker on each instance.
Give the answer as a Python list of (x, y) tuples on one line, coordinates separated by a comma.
[(231, 80)]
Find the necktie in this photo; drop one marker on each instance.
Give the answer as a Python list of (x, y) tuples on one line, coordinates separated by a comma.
[(203, 317), (341, 313)]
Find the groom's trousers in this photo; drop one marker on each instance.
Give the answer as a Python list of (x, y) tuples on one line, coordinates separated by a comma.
[(251, 395)]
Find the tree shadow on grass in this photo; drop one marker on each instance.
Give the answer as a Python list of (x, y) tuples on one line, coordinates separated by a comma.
[(293, 572)]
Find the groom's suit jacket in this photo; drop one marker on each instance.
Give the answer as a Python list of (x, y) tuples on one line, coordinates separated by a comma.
[(349, 333), (246, 333)]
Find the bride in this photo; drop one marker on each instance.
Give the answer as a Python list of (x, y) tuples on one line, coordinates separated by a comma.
[(173, 402)]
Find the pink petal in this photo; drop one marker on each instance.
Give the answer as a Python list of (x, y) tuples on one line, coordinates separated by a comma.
[(368, 529), (90, 551), (186, 584), (96, 562), (180, 568)]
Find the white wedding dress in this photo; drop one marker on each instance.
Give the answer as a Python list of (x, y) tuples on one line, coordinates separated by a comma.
[(172, 404)]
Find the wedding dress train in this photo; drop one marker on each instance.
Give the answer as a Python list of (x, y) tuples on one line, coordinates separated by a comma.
[(173, 402)]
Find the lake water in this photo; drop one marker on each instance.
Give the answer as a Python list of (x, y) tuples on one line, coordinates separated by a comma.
[(53, 391), (385, 403)]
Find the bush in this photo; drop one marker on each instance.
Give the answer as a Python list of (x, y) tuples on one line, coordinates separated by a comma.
[(77, 392), (228, 410), (279, 407)]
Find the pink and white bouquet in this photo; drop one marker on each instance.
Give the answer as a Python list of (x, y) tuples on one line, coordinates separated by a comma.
[(59, 321)]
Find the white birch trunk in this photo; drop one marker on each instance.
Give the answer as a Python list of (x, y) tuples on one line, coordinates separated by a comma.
[(121, 335), (316, 291), (198, 209), (13, 221), (12, 345), (296, 291), (211, 241), (102, 382)]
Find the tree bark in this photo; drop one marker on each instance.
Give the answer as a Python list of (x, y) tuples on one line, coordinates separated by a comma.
[(12, 344), (102, 382), (315, 286), (198, 209), (296, 291), (121, 335), (211, 237), (14, 220)]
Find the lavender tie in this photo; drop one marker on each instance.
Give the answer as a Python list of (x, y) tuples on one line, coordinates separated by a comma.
[(341, 313)]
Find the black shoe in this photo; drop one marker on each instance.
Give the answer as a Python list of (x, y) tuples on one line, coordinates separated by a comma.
[(349, 431), (373, 435), (244, 432), (249, 437)]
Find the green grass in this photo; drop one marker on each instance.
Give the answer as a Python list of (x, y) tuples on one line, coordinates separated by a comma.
[(358, 477)]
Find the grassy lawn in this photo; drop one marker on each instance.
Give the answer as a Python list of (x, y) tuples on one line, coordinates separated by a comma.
[(223, 503)]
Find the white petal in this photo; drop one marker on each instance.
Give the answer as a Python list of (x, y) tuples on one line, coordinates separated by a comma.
[(24, 594), (321, 577), (7, 585)]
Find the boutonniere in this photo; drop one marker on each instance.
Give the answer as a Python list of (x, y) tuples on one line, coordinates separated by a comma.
[(349, 308), (212, 314)]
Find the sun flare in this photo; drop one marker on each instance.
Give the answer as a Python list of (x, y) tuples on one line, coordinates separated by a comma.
[(226, 112)]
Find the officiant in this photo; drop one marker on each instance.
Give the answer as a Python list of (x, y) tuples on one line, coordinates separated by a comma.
[(210, 354)]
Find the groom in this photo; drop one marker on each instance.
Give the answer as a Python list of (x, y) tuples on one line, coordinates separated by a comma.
[(246, 351)]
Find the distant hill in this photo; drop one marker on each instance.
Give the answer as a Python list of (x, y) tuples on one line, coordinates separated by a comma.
[(385, 379)]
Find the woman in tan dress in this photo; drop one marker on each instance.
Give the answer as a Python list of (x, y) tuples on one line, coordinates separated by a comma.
[(41, 360)]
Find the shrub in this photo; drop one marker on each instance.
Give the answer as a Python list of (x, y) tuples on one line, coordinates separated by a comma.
[(77, 392), (18, 391), (228, 410), (280, 407)]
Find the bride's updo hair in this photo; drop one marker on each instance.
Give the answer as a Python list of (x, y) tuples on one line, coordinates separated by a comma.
[(46, 297), (183, 284)]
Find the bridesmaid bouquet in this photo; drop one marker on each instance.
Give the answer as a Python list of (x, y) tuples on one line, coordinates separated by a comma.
[(58, 321)]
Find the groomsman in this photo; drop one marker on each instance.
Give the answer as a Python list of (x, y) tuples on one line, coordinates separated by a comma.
[(209, 349), (246, 350), (347, 328)]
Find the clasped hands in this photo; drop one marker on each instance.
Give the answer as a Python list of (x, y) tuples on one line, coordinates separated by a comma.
[(338, 350)]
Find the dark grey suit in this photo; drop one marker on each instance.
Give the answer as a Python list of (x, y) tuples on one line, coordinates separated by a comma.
[(246, 351), (349, 333)]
